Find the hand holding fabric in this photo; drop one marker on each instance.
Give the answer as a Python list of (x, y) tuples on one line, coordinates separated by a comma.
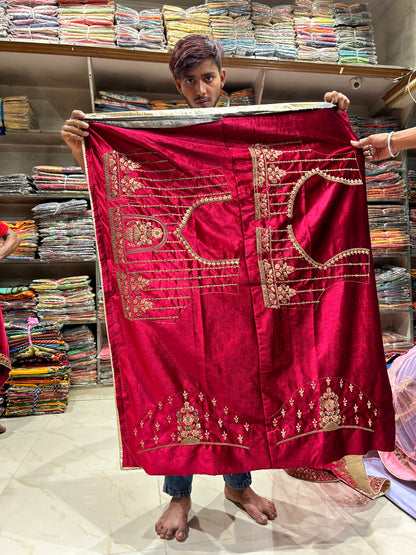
[(73, 131)]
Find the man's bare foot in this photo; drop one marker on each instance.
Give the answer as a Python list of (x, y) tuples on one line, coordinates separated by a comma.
[(257, 507), (174, 521)]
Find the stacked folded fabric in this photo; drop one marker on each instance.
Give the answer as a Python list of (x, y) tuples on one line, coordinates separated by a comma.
[(82, 355), (384, 180), (65, 299), (395, 344), (18, 113), (114, 102), (302, 8), (355, 34), (39, 380), (364, 126), (33, 20), (392, 287), (28, 233), (244, 97), (89, 22), (315, 32), (140, 29), (388, 230), (16, 184), (285, 36), (412, 226), (66, 230), (59, 178), (180, 22), (18, 303), (106, 370), (4, 22), (411, 184)]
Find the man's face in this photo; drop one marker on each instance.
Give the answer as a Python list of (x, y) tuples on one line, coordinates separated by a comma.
[(202, 86)]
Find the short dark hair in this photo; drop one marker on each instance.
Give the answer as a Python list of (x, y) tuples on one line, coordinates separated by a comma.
[(191, 51)]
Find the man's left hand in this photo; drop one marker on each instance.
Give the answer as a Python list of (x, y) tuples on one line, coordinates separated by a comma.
[(339, 99)]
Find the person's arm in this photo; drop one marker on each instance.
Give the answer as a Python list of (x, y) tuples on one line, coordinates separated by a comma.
[(72, 132), (376, 147), (338, 99), (11, 242)]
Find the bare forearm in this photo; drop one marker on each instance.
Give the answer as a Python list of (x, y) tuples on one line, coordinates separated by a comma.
[(11, 242), (402, 140)]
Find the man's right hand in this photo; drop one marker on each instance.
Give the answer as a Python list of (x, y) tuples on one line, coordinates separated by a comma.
[(73, 131)]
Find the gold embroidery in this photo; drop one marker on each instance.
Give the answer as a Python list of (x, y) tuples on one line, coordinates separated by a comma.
[(189, 428), (330, 418)]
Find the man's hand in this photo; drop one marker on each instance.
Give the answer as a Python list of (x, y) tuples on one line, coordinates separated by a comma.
[(375, 147), (73, 131), (338, 99)]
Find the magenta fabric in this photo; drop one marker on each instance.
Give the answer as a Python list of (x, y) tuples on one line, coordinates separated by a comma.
[(239, 292)]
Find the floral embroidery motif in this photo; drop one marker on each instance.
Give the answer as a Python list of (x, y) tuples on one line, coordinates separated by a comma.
[(330, 415), (143, 233), (323, 406), (189, 428)]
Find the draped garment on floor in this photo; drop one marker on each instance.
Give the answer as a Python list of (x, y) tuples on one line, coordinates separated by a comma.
[(239, 291)]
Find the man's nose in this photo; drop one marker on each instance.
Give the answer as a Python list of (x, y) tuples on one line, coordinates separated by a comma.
[(201, 88)]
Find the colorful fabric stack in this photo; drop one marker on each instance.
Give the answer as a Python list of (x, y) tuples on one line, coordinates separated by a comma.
[(28, 233), (39, 379), (65, 299), (384, 180), (412, 225), (18, 303), (140, 29), (113, 102), (285, 36), (388, 230), (16, 184), (223, 29), (82, 355), (4, 22), (59, 178), (392, 288), (89, 22), (315, 31), (244, 97), (180, 22), (411, 184), (355, 34), (33, 20), (395, 344), (364, 126), (263, 29), (18, 113), (106, 369), (66, 230)]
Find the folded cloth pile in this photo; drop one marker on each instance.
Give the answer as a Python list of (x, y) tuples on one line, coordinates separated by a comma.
[(16, 184), (18, 303), (106, 369), (285, 36), (412, 221), (140, 29), (18, 114), (244, 97), (316, 39), (82, 354), (39, 380), (393, 289), (65, 299), (395, 344), (4, 22), (113, 102), (66, 230), (33, 20), (29, 235), (388, 230), (89, 22), (384, 180), (179, 22), (59, 178), (355, 34), (411, 184), (365, 126)]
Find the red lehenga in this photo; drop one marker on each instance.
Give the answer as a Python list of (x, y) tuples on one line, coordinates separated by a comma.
[(239, 292)]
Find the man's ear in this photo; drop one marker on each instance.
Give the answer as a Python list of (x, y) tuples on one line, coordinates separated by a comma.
[(178, 85), (222, 77)]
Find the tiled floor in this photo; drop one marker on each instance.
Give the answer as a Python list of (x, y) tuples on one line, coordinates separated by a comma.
[(62, 493)]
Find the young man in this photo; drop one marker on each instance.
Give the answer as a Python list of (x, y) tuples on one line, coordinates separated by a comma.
[(196, 68)]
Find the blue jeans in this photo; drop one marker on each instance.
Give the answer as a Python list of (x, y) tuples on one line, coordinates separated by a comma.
[(181, 486)]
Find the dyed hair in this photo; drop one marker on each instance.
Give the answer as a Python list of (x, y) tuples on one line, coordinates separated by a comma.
[(191, 51)]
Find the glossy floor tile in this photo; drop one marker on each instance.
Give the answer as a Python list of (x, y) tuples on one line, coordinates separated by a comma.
[(62, 492)]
